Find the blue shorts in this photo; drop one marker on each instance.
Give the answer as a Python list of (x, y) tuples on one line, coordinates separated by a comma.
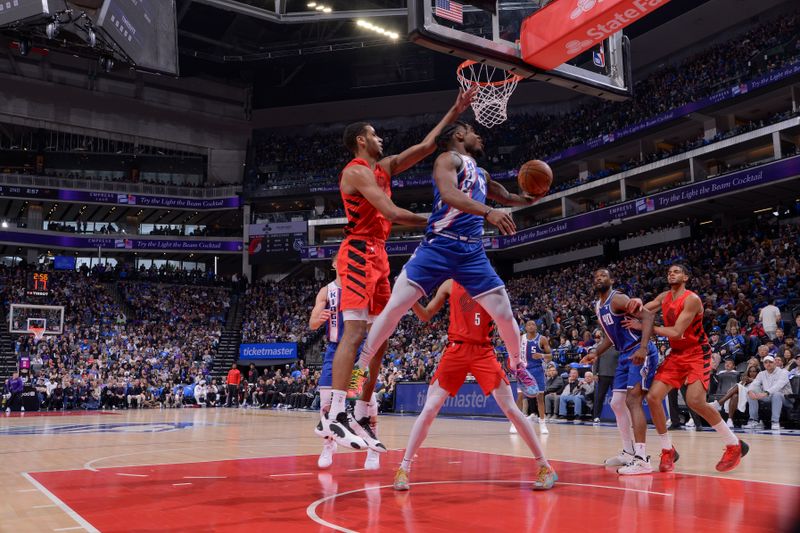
[(438, 259), (326, 375), (629, 375), (536, 369)]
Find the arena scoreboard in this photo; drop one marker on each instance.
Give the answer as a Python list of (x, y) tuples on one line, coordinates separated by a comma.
[(38, 284)]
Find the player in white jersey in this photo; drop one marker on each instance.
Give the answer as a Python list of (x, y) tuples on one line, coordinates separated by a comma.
[(327, 311), (532, 348)]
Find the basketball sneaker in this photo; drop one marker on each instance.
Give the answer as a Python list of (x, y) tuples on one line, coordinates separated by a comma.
[(732, 456), (326, 457), (342, 430), (357, 379), (543, 427), (668, 460), (639, 465), (623, 459), (364, 430), (545, 478), (401, 480), (513, 430), (526, 381), (373, 461), (320, 430)]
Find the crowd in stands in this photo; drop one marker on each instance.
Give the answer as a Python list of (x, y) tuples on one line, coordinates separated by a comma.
[(284, 160), (117, 347), (154, 343)]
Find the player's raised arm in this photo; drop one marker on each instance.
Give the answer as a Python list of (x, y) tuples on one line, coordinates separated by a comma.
[(395, 164), (319, 315), (425, 314), (497, 192), (445, 174), (362, 180)]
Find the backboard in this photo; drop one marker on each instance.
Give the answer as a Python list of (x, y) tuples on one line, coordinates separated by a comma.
[(493, 38), (23, 317)]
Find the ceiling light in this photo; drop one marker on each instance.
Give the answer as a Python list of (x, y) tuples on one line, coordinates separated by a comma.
[(327, 10), (361, 23), (320, 8), (312, 4)]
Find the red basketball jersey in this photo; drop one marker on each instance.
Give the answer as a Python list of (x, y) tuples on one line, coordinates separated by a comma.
[(695, 335), (362, 218), (469, 322)]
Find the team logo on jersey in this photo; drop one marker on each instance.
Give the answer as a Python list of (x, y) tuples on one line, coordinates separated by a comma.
[(120, 427)]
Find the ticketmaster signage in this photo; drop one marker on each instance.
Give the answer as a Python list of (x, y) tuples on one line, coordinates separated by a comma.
[(470, 400), (274, 350), (735, 181)]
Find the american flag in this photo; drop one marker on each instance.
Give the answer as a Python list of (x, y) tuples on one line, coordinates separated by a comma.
[(449, 10)]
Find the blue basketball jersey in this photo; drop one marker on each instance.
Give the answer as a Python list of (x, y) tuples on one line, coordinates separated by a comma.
[(335, 326), (622, 337), (528, 347), (472, 182)]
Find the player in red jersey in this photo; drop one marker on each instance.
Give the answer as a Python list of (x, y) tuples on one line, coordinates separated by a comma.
[(365, 185), (689, 361), (469, 350)]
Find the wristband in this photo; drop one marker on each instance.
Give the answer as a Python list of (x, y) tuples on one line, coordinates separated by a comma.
[(486, 214)]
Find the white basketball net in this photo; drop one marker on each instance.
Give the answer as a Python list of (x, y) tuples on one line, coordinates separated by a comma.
[(495, 86)]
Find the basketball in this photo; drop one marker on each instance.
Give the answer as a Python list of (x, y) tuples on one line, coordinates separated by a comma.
[(535, 177)]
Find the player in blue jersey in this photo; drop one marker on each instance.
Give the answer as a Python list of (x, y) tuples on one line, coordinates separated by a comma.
[(453, 244), (327, 311), (636, 367), (532, 348)]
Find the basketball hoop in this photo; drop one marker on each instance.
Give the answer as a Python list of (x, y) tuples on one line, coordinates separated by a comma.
[(495, 86), (37, 332)]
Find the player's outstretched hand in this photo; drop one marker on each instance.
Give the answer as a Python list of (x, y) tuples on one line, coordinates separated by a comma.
[(632, 323), (634, 306), (502, 221), (464, 99)]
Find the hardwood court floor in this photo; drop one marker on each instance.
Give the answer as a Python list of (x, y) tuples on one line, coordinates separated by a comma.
[(246, 470)]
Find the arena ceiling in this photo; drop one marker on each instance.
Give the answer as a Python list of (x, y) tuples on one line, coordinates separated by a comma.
[(293, 54)]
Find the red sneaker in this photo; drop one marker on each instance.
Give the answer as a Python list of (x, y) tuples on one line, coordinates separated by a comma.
[(668, 460), (732, 456)]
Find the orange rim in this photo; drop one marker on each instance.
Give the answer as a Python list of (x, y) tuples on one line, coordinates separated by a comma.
[(469, 62)]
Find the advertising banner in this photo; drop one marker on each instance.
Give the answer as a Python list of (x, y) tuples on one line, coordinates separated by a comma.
[(68, 195), (274, 350), (470, 401)]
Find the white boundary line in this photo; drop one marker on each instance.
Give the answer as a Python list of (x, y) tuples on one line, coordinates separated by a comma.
[(311, 510), (63, 506)]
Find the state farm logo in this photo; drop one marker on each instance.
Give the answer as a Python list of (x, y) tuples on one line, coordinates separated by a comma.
[(584, 6), (575, 47)]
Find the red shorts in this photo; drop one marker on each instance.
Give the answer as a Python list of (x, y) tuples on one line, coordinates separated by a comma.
[(685, 367), (363, 267), (462, 358)]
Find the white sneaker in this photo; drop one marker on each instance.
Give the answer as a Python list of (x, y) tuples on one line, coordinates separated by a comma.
[(8, 409), (533, 417), (364, 430), (596, 420), (623, 459), (729, 422), (23, 408), (543, 428), (754, 424), (689, 424), (373, 461), (512, 430), (320, 430), (326, 457), (637, 466), (776, 426), (342, 430), (715, 404)]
